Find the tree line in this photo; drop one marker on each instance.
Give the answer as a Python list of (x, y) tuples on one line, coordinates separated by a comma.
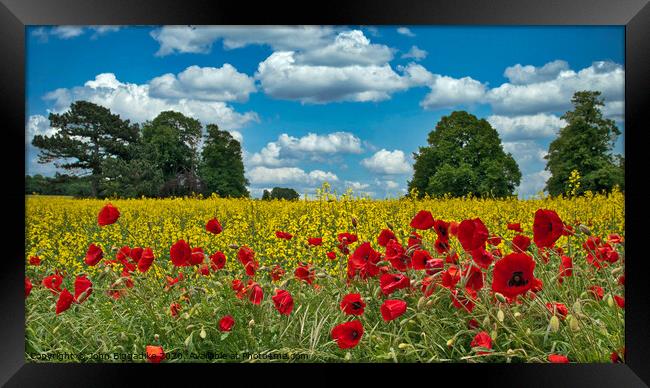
[(465, 156), (169, 156)]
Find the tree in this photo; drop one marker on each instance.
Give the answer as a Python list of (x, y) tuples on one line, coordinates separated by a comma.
[(464, 157), (585, 145), (170, 142), (266, 195), (222, 167), (87, 135), (131, 178), (284, 193)]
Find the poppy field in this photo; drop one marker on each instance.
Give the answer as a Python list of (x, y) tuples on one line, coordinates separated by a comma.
[(336, 278)]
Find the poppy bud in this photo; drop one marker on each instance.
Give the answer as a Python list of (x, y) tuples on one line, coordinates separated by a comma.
[(404, 322), (493, 334), (615, 271), (528, 331), (404, 346), (610, 300), (186, 316), (517, 314), (321, 275), (354, 222), (584, 229), (251, 323), (500, 297), (451, 341), (421, 302), (430, 303), (156, 337), (486, 321), (203, 334), (233, 246), (554, 323), (500, 315), (348, 356), (577, 308), (573, 323), (187, 341)]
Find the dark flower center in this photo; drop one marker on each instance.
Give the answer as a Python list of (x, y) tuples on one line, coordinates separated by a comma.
[(356, 305), (517, 280), (354, 334)]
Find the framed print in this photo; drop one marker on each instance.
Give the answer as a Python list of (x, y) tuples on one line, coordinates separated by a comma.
[(401, 189)]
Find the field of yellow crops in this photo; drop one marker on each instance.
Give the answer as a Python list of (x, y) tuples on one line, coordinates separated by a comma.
[(59, 231)]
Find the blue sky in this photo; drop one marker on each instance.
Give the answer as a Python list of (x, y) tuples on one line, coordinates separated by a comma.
[(345, 104)]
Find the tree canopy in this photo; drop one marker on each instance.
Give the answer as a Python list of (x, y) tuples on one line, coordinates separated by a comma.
[(585, 145), (281, 193), (464, 157), (222, 168)]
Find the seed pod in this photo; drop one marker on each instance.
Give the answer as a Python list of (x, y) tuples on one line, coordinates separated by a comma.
[(500, 297), (584, 229), (500, 315), (554, 323)]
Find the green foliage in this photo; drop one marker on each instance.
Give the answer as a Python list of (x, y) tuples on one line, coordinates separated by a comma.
[(87, 135), (60, 184), (281, 193), (222, 167), (170, 142), (585, 145), (464, 157), (131, 178)]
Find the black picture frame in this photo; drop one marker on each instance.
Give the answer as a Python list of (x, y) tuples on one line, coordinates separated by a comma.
[(15, 15)]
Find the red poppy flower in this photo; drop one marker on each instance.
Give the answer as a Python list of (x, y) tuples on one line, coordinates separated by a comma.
[(473, 277), (364, 260), (616, 357), (482, 340), (94, 255), (415, 240), (347, 238), (472, 234), (392, 309), (621, 280), (547, 228), (423, 220), (28, 286), (226, 323), (237, 286), (145, 260), (315, 241), (620, 301), (257, 294), (214, 226), (520, 243), (64, 302), (283, 235), (513, 275), (558, 359), (82, 285), (197, 257), (516, 227), (481, 257), (452, 258), (390, 283), (385, 236), (450, 277), (428, 285), (347, 335), (442, 229), (180, 253), (556, 308), (566, 267), (464, 301), (420, 259), (597, 292), (283, 302), (453, 228), (174, 308), (396, 255), (494, 240), (331, 255), (171, 281), (352, 304), (53, 283), (277, 273), (472, 324), (614, 239), (305, 273), (434, 266), (108, 215), (155, 354), (251, 267), (441, 245), (245, 255), (34, 260)]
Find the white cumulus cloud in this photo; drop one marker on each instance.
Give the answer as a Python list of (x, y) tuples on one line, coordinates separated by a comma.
[(387, 162), (541, 125), (288, 175), (416, 53), (405, 31)]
